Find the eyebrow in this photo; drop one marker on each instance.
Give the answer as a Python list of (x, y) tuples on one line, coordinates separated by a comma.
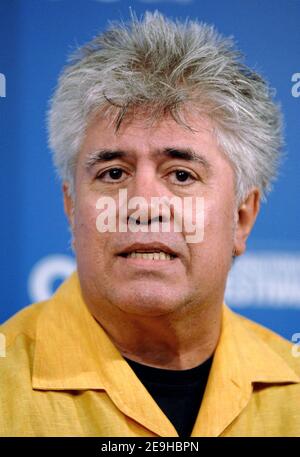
[(187, 154), (107, 155), (103, 155)]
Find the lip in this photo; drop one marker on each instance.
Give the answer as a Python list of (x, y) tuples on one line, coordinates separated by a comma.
[(148, 247), (148, 264)]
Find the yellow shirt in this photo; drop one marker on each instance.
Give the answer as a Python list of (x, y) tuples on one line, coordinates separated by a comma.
[(62, 376)]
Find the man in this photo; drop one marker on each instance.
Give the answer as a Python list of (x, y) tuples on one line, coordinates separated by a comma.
[(138, 341)]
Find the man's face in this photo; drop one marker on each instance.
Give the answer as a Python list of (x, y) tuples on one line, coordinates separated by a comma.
[(138, 159)]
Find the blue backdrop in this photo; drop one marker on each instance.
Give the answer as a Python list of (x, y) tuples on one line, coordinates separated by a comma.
[(35, 38)]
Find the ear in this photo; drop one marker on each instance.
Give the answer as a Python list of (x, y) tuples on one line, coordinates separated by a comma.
[(246, 216), (68, 205)]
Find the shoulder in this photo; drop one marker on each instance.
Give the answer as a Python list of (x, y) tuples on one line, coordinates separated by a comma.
[(18, 335), (22, 325), (284, 348), (18, 407)]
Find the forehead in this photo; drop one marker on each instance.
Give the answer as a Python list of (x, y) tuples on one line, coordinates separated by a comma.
[(140, 139)]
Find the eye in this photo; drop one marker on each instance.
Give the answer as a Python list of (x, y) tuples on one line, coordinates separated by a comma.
[(182, 176), (113, 174)]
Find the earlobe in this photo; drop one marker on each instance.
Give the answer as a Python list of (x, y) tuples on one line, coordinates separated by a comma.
[(247, 213)]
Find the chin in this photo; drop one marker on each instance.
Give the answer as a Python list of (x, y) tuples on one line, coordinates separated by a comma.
[(147, 304)]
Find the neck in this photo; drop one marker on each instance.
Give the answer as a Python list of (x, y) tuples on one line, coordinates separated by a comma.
[(177, 341)]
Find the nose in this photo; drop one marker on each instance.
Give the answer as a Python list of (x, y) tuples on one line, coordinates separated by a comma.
[(147, 196)]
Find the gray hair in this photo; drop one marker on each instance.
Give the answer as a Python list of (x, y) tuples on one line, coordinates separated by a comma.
[(163, 64)]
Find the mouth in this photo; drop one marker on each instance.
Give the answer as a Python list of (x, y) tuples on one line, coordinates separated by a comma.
[(155, 255), (155, 252)]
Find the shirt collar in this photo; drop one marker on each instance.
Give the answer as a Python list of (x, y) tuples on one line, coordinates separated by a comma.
[(242, 358), (73, 352)]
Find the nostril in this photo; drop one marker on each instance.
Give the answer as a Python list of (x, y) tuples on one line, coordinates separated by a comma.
[(132, 220), (157, 218), (149, 220)]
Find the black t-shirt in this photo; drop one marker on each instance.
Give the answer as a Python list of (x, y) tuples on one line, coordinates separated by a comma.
[(177, 392)]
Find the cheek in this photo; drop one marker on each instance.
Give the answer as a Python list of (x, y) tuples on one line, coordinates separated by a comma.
[(86, 233), (218, 231), (211, 259), (219, 220)]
